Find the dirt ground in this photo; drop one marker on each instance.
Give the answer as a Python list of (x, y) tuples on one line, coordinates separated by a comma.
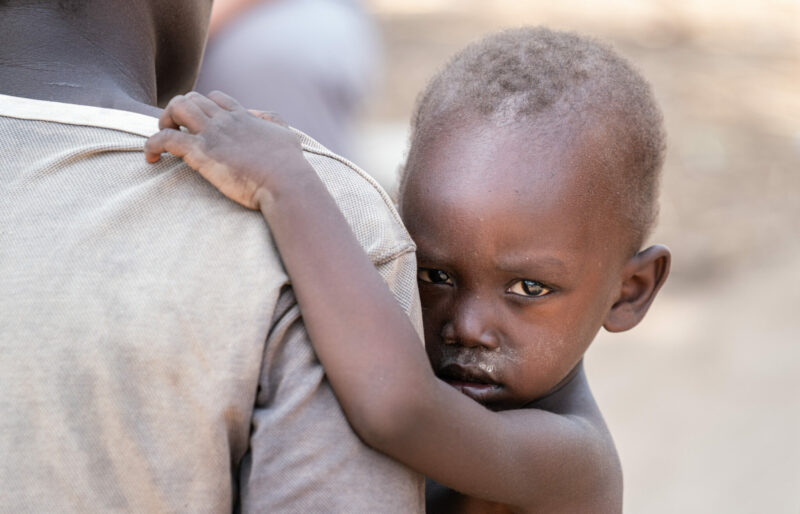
[(704, 396)]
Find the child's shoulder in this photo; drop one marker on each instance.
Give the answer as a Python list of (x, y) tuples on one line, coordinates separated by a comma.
[(585, 439), (557, 455)]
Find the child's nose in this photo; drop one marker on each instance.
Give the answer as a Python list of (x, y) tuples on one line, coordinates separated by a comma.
[(471, 325)]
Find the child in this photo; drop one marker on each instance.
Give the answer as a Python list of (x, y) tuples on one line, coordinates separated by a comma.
[(529, 189)]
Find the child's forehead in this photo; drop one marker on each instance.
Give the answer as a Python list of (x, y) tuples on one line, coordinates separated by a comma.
[(525, 156), (522, 172)]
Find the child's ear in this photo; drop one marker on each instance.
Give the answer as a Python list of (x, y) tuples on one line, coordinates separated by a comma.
[(642, 277)]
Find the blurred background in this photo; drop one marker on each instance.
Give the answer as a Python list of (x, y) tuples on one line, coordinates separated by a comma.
[(703, 397)]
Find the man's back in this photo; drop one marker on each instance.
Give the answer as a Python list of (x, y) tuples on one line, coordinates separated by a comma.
[(152, 357)]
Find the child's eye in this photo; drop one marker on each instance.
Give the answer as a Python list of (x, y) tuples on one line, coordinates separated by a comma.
[(434, 276), (530, 288)]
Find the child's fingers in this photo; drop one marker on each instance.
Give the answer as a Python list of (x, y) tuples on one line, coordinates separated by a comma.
[(182, 112), (209, 107), (168, 140), (226, 102), (272, 117)]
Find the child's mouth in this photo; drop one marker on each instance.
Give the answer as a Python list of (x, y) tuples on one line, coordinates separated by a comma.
[(473, 382), (481, 393)]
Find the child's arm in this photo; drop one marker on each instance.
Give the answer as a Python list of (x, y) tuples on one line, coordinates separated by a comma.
[(370, 351)]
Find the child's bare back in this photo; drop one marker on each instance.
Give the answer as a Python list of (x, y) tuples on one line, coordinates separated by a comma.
[(529, 190)]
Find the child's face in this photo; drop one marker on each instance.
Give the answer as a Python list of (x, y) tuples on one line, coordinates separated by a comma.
[(520, 257)]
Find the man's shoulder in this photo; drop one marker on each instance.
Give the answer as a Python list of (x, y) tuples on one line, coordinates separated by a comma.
[(106, 144), (367, 207)]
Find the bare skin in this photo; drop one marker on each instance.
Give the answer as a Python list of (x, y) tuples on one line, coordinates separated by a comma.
[(519, 269), (123, 54)]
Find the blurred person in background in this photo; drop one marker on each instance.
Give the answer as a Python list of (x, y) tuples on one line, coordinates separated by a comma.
[(311, 60)]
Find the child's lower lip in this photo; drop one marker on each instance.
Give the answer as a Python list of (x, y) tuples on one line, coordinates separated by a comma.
[(475, 390)]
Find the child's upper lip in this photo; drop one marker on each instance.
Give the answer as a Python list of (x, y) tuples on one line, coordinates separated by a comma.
[(458, 372)]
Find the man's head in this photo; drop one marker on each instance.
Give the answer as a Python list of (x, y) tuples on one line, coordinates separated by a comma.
[(528, 204)]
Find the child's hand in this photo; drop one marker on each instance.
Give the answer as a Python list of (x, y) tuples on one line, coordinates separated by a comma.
[(246, 155)]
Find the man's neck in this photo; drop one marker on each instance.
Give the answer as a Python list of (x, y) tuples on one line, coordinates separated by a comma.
[(47, 57)]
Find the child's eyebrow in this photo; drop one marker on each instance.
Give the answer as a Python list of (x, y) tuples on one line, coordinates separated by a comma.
[(529, 264), (430, 254)]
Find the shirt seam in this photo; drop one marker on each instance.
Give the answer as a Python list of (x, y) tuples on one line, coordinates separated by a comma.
[(395, 253), (308, 147)]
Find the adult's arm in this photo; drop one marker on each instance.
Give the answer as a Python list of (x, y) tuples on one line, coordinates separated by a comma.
[(303, 455)]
